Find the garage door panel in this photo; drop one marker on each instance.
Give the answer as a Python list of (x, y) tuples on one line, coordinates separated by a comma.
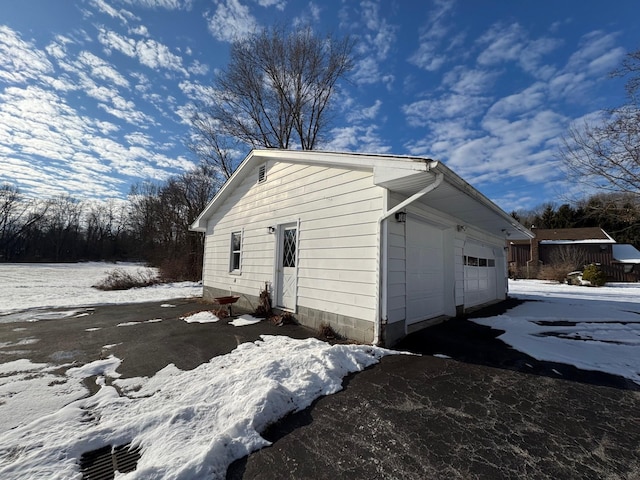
[(480, 282), (425, 271)]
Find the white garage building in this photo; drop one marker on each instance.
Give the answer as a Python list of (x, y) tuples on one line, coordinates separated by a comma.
[(377, 246)]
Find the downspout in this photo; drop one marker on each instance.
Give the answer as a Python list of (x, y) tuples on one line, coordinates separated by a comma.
[(381, 300)]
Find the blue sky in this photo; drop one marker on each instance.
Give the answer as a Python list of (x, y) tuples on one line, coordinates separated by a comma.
[(94, 93)]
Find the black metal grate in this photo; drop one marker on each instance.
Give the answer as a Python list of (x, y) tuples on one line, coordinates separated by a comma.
[(101, 464)]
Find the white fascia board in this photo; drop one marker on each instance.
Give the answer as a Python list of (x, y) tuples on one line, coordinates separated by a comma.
[(353, 160)]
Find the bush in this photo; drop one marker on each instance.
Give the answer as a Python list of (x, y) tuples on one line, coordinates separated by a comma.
[(178, 270), (556, 272), (594, 275), (120, 279), (264, 310)]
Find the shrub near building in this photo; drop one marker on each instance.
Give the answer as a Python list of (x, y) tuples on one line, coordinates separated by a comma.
[(594, 275)]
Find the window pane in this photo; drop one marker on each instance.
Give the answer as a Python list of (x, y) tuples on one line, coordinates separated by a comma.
[(236, 245), (235, 241), (289, 248), (482, 262)]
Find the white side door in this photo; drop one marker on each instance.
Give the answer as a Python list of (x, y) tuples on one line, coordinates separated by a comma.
[(286, 267)]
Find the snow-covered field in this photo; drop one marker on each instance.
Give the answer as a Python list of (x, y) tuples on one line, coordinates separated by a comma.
[(193, 424), (25, 286)]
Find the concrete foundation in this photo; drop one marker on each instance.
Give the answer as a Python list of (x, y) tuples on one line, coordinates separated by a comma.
[(347, 327)]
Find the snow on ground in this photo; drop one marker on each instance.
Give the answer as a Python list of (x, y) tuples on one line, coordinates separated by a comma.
[(588, 327), (26, 286), (190, 424), (244, 320), (193, 424), (205, 316), (32, 390)]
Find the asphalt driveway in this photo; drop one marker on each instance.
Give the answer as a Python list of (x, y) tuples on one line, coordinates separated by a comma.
[(487, 412)]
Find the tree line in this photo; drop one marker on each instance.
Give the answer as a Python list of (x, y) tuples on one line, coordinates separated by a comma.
[(152, 225), (616, 213)]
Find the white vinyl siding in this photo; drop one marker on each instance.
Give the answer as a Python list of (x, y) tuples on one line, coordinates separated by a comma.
[(337, 210), (459, 270), (396, 266)]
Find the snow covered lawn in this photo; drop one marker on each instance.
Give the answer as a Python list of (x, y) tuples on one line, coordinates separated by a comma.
[(591, 328), (26, 286)]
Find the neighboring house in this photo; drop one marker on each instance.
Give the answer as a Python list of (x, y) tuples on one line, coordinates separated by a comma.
[(376, 246), (620, 262)]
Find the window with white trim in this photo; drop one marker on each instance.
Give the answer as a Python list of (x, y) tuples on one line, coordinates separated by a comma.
[(236, 252)]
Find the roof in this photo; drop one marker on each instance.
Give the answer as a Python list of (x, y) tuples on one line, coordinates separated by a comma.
[(625, 253), (572, 235), (402, 174)]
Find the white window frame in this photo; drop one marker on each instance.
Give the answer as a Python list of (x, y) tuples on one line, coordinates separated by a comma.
[(232, 253)]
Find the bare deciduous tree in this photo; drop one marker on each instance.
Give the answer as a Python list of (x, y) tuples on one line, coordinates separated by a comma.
[(606, 155), (275, 93), (17, 216)]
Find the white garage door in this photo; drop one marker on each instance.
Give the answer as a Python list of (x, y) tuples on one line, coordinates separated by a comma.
[(480, 281), (425, 271)]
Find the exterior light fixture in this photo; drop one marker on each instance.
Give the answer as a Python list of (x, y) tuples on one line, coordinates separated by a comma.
[(271, 229), (461, 228), (401, 217)]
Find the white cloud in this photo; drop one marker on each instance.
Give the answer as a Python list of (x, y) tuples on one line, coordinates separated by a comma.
[(309, 16), (469, 81), (230, 21), (595, 52), (113, 41), (429, 55), (365, 113), (166, 4), (19, 60), (101, 69), (512, 43), (140, 30), (123, 15), (55, 149), (149, 52), (198, 68), (503, 43), (366, 71), (380, 35), (446, 106), (279, 4), (357, 138), (524, 101)]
